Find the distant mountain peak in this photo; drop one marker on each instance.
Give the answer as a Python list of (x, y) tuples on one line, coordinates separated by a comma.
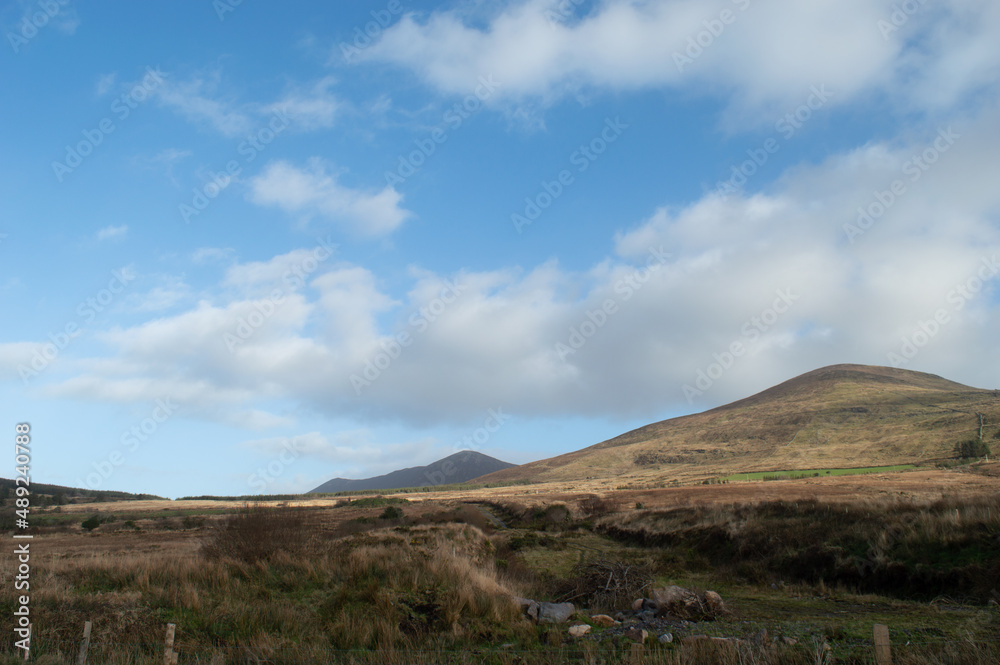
[(456, 468)]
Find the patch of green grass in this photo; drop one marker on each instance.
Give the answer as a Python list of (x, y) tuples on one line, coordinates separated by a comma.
[(811, 473)]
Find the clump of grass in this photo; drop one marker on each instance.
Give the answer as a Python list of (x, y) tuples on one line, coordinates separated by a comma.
[(257, 532)]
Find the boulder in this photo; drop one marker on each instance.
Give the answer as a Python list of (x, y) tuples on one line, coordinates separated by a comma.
[(579, 630), (714, 604), (602, 620), (555, 612), (528, 606), (666, 638), (678, 601), (687, 604), (637, 604)]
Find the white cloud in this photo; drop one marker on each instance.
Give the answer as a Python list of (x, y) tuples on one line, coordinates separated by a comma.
[(313, 109), (313, 191), (766, 55), (111, 232), (199, 99), (172, 290), (196, 100), (494, 341), (212, 254)]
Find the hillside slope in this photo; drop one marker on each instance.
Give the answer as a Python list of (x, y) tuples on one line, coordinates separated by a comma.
[(837, 416), (457, 468)]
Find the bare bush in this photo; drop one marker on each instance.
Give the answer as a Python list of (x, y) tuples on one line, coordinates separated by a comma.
[(257, 532), (607, 585)]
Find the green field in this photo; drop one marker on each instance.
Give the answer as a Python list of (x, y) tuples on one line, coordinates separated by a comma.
[(812, 473)]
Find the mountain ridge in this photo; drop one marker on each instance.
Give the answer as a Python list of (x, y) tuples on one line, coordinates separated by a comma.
[(457, 468), (839, 415)]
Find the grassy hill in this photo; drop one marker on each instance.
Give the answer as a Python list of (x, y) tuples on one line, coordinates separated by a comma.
[(837, 416), (44, 494)]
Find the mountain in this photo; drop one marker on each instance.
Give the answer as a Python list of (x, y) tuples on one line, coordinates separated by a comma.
[(838, 416), (456, 468)]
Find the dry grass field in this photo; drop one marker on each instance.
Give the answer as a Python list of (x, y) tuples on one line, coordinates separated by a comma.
[(429, 577)]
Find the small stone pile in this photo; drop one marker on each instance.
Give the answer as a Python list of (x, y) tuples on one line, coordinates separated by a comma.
[(667, 609)]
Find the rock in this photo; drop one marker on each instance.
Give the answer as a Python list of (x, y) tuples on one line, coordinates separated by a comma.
[(637, 604), (686, 604), (637, 635), (579, 630), (528, 606), (555, 612), (713, 602), (666, 638), (790, 641), (647, 616), (602, 620), (620, 616), (677, 601), (761, 637)]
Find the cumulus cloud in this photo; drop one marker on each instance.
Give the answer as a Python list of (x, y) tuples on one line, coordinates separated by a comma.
[(313, 191), (810, 272), (763, 55)]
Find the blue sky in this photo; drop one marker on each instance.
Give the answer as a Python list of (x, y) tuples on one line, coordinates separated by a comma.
[(247, 248)]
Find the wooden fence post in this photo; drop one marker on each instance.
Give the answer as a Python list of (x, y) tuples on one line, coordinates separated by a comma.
[(169, 657), (883, 653), (84, 645)]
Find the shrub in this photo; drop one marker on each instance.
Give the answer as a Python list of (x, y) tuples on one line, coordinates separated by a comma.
[(257, 532), (595, 505), (392, 513), (91, 523), (972, 448)]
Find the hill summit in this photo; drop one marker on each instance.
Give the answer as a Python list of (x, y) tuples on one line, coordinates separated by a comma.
[(457, 468), (837, 416)]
